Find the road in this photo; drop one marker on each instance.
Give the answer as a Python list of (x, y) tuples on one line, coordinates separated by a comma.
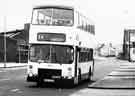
[(12, 83)]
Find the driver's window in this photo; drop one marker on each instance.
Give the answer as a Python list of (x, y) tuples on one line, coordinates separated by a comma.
[(41, 18)]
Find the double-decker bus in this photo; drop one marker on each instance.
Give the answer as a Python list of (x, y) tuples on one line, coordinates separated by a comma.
[(61, 46)]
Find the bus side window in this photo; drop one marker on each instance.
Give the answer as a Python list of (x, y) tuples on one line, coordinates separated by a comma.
[(83, 56)]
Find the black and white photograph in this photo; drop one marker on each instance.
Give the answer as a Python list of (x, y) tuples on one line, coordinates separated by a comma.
[(67, 48)]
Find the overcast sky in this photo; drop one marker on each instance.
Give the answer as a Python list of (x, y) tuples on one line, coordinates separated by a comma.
[(110, 16)]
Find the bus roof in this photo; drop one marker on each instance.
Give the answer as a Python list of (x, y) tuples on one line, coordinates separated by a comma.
[(53, 6)]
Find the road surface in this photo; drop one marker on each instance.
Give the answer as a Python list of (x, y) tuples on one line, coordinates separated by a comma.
[(12, 83)]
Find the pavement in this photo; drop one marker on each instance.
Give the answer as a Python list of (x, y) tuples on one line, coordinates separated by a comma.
[(122, 77), (9, 65)]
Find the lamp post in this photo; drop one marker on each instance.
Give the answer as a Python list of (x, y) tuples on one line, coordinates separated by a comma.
[(19, 55), (5, 49)]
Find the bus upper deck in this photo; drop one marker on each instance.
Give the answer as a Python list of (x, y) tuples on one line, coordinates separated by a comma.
[(61, 16), (64, 25)]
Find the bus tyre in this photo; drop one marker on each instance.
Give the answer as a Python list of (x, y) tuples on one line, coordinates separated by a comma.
[(72, 83), (79, 76), (92, 71), (89, 75), (39, 82)]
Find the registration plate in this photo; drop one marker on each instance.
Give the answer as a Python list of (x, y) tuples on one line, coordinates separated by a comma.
[(48, 80)]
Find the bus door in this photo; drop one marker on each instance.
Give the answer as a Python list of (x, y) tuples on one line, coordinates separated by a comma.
[(83, 62), (76, 61)]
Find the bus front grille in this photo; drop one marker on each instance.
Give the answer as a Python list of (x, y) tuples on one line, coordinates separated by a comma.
[(48, 73)]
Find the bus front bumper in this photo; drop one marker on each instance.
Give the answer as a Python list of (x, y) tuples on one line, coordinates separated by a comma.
[(33, 78)]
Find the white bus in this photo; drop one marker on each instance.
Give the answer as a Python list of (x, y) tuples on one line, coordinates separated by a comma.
[(61, 46)]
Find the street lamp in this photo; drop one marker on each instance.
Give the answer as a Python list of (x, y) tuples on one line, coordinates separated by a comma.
[(19, 55), (5, 49)]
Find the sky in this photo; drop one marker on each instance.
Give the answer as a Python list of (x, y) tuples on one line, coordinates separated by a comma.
[(111, 17)]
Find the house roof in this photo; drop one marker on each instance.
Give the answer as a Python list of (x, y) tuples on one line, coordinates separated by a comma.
[(7, 38), (19, 35), (11, 34)]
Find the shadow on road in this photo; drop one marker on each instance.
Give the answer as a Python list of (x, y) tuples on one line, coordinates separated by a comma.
[(81, 85)]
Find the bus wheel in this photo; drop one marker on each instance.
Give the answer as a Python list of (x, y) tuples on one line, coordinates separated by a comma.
[(69, 84), (79, 76), (39, 82), (89, 75)]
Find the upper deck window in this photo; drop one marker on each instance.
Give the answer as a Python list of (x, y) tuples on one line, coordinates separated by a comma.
[(53, 16)]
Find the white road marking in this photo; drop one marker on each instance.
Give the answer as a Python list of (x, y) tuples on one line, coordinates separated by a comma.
[(76, 94), (16, 68), (112, 73), (3, 71), (5, 79), (14, 90), (84, 90)]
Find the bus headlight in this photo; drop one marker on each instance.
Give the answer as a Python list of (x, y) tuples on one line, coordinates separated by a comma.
[(69, 72), (69, 69), (30, 74)]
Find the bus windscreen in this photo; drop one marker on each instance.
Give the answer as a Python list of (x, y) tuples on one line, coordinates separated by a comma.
[(51, 53), (53, 16)]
